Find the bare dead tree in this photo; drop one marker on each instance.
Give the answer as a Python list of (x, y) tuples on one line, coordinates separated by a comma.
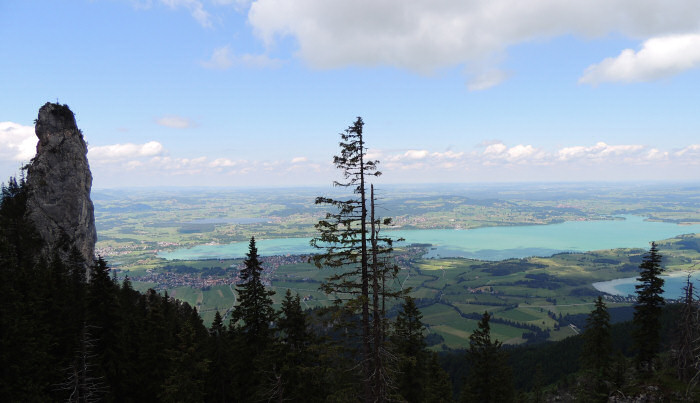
[(82, 382)]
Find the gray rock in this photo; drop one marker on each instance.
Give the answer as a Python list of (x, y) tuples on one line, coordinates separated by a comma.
[(59, 183)]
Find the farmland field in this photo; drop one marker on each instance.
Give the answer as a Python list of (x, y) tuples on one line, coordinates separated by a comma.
[(529, 297)]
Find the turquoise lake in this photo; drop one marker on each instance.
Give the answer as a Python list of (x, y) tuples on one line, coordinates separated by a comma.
[(491, 243), (673, 285)]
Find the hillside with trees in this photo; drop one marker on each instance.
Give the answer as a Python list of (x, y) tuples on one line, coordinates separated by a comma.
[(71, 335)]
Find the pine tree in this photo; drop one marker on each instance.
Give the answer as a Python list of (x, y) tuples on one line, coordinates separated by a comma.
[(220, 376), (349, 247), (438, 387), (251, 330), (648, 310), (381, 268), (254, 312), (596, 347), (490, 378), (185, 382), (293, 373), (687, 338), (409, 346), (104, 317), (292, 323), (596, 353)]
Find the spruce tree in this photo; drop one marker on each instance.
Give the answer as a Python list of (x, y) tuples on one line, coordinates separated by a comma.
[(104, 318), (438, 387), (350, 250), (292, 323), (294, 376), (186, 379), (595, 356), (419, 377), (490, 378), (251, 330), (409, 346), (647, 311), (596, 346), (686, 343), (220, 375), (254, 312)]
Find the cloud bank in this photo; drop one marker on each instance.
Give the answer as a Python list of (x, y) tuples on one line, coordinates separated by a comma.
[(150, 163), (17, 142), (427, 36)]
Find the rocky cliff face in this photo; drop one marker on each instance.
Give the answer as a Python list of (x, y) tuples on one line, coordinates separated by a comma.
[(59, 182)]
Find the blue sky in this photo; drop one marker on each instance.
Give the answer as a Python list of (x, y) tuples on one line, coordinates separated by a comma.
[(254, 93)]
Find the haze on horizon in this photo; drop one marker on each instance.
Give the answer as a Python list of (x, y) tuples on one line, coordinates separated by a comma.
[(253, 93)]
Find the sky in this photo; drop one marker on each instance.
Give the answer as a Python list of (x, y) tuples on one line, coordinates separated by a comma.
[(255, 93)]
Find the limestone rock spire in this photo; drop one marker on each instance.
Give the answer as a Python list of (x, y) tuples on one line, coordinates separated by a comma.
[(59, 182)]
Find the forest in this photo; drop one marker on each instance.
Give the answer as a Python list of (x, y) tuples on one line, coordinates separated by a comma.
[(68, 334)]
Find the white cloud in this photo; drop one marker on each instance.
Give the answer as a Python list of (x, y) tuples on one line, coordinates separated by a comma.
[(119, 152), (133, 165), (486, 80), (195, 7), (495, 149), (658, 58), (222, 163), (657, 155), (374, 154), (177, 166), (447, 155), (17, 142), (416, 154), (520, 151), (599, 151), (501, 156), (222, 59), (690, 153), (425, 36), (139, 164), (497, 153), (175, 122)]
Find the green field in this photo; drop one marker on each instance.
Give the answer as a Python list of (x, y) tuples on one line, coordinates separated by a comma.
[(522, 294)]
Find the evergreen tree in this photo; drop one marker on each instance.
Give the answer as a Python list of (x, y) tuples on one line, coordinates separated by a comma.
[(438, 388), (409, 346), (353, 250), (687, 338), (104, 317), (648, 309), (186, 379), (254, 312), (220, 376), (252, 334), (292, 323), (490, 378), (596, 347), (154, 337), (294, 376), (596, 353)]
